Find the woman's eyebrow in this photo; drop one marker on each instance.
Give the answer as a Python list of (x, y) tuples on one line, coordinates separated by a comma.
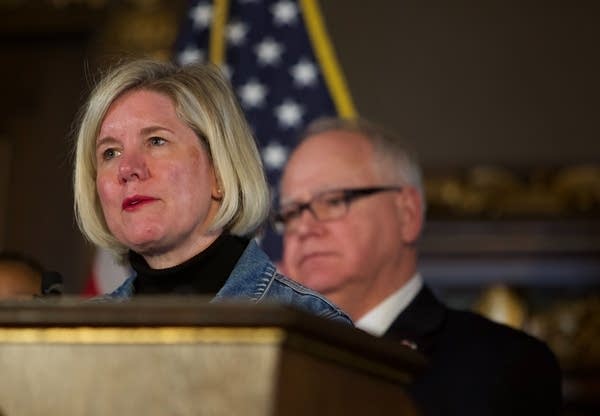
[(103, 140), (152, 129)]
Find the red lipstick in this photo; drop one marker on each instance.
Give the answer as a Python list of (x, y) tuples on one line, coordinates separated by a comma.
[(136, 201)]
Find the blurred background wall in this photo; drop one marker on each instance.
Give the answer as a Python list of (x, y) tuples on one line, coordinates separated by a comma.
[(499, 97)]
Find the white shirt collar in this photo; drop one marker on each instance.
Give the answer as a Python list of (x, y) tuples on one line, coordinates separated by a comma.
[(379, 319)]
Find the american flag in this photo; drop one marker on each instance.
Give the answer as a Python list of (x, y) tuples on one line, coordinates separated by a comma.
[(281, 65), (105, 275)]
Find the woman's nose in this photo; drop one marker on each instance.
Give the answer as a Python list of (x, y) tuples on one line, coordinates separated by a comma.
[(132, 167)]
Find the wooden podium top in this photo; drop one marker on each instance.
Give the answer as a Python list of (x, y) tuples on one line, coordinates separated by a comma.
[(184, 355), (278, 323)]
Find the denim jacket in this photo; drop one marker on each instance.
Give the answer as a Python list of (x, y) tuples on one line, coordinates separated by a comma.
[(254, 278)]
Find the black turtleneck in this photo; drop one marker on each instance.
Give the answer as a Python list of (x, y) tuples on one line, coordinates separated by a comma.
[(203, 274)]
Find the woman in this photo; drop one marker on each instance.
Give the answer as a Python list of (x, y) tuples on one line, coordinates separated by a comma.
[(168, 176)]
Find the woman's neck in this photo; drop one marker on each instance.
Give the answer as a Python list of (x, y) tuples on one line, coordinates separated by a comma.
[(170, 258)]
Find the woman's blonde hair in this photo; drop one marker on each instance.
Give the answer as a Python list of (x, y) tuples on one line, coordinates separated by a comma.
[(204, 101)]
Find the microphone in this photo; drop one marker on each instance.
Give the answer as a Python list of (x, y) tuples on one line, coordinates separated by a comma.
[(52, 283)]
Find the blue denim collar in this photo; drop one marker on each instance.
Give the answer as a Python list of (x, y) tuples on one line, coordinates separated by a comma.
[(251, 277)]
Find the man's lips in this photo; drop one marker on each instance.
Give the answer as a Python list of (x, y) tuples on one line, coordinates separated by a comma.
[(314, 256), (136, 201)]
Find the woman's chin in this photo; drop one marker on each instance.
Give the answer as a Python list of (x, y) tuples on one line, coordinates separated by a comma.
[(144, 245)]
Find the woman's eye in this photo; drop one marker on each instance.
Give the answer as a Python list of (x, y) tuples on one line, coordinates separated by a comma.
[(157, 141), (109, 154)]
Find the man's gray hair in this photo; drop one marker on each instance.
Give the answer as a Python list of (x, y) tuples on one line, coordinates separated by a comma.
[(393, 154)]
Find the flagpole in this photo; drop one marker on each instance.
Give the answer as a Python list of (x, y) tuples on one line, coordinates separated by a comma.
[(217, 33), (325, 53)]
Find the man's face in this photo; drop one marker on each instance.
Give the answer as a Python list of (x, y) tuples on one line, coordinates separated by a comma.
[(331, 256)]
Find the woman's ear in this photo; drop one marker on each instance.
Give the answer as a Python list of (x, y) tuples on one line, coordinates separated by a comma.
[(410, 204), (216, 192)]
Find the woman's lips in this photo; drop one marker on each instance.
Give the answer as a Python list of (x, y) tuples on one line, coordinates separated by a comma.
[(134, 202)]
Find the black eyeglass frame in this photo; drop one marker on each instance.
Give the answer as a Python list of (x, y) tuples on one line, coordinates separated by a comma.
[(348, 195)]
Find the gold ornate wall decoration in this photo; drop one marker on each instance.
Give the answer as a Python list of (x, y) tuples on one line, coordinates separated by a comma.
[(138, 27), (495, 192), (572, 330), (118, 28), (502, 304)]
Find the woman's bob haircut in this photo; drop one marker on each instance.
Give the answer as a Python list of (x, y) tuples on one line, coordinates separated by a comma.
[(203, 100)]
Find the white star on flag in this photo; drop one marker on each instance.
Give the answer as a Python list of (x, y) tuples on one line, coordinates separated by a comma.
[(253, 94), (227, 71), (274, 154), (201, 15), (304, 73), (268, 52), (289, 114), (284, 13), (190, 55), (236, 33)]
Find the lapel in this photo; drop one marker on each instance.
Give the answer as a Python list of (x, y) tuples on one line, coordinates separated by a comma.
[(420, 322)]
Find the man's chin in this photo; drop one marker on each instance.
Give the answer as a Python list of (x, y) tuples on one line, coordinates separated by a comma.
[(321, 280)]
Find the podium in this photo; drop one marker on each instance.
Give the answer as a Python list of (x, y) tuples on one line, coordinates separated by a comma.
[(185, 356)]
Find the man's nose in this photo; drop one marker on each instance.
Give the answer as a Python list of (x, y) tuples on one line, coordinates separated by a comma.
[(132, 167)]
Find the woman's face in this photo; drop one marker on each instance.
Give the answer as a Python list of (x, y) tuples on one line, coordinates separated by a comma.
[(155, 180)]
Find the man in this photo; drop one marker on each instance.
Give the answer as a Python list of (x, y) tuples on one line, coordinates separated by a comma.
[(351, 210)]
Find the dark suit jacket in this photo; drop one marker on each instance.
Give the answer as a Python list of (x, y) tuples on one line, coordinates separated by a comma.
[(477, 367)]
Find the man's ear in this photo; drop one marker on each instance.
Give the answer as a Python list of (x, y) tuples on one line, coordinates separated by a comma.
[(410, 204)]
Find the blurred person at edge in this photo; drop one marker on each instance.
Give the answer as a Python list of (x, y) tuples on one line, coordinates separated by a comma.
[(20, 276), (351, 209), (168, 176)]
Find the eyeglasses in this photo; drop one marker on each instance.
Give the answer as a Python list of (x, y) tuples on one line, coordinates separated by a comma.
[(326, 206)]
